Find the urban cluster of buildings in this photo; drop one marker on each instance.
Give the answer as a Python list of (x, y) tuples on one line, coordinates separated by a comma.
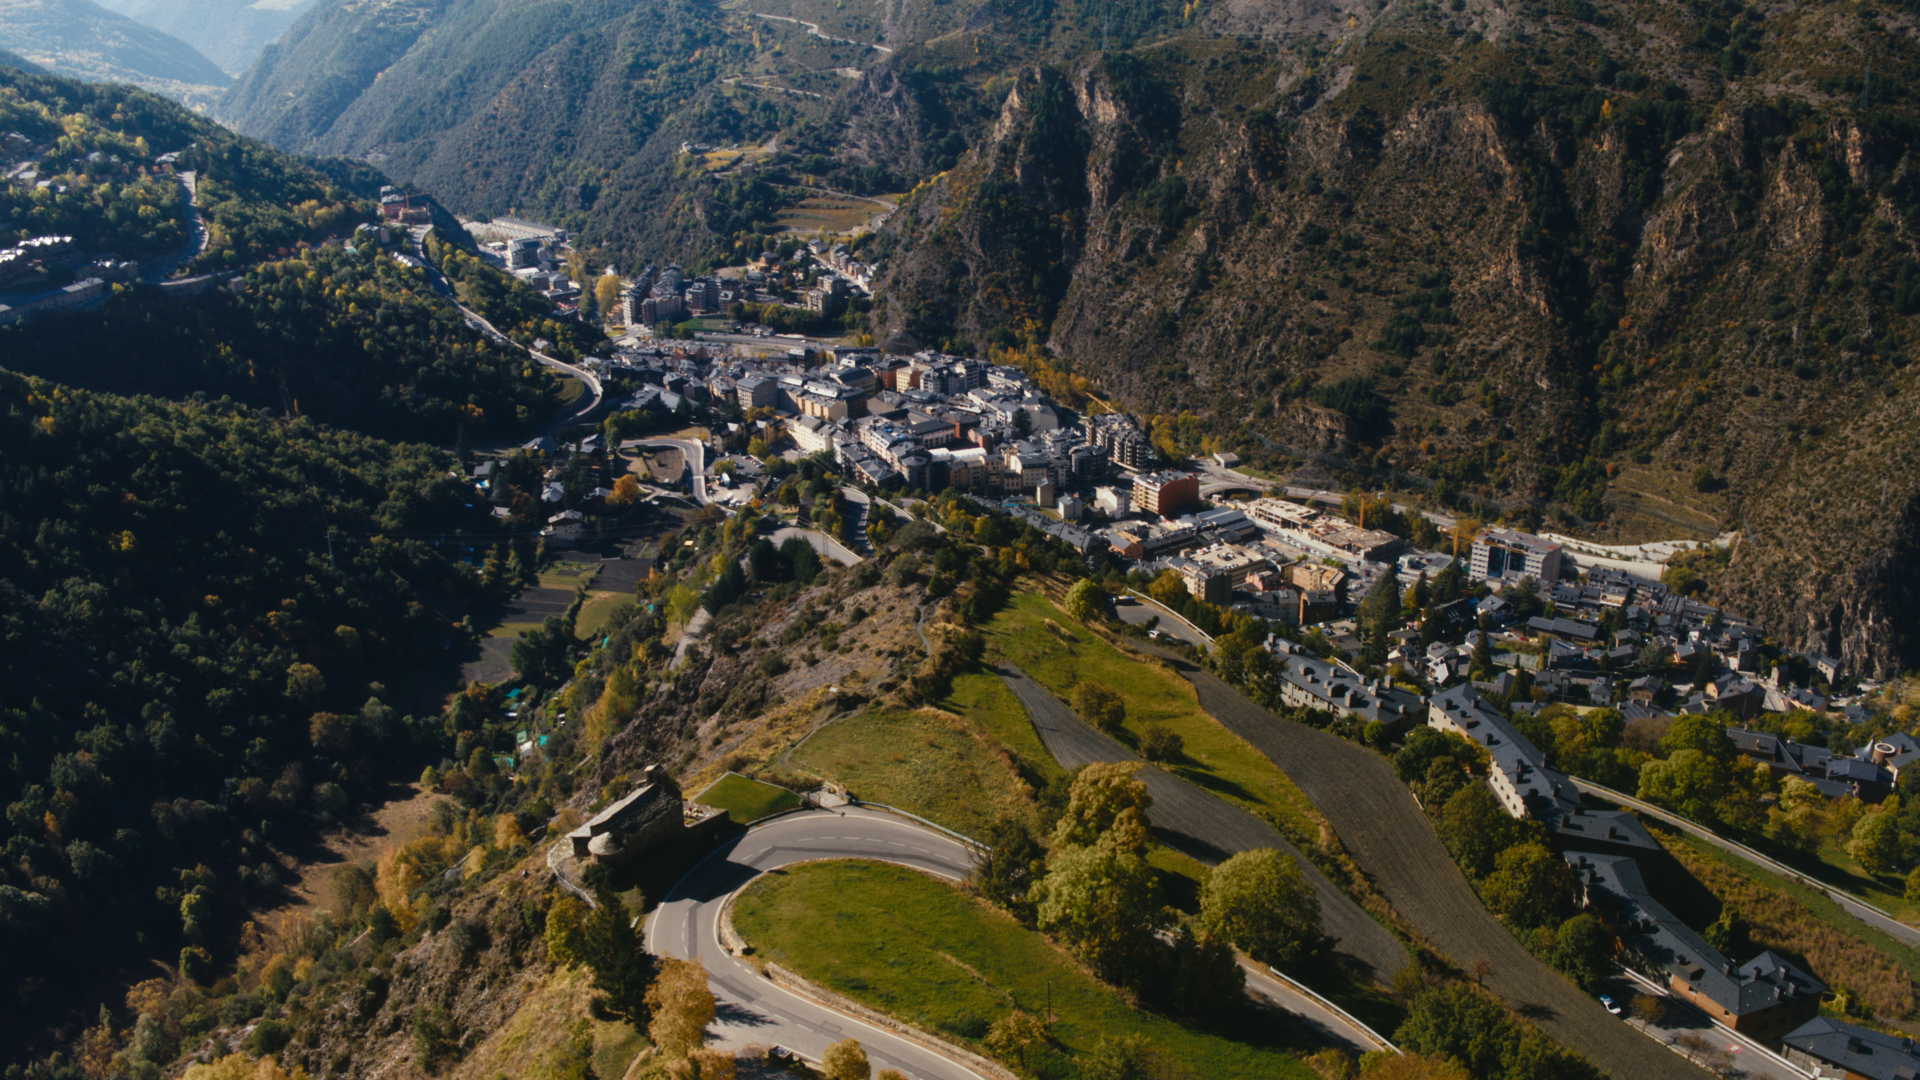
[(818, 278)]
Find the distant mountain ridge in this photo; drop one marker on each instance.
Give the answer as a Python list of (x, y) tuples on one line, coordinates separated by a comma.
[(79, 38), (230, 33)]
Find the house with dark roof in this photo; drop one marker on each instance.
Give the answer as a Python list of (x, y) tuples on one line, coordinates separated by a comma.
[(1524, 784), (1764, 998), (1826, 1047), (1308, 682)]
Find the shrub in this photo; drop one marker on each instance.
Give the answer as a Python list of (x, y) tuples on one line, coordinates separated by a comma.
[(1160, 743)]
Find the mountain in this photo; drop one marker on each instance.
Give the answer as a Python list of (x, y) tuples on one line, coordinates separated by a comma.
[(1557, 263), (15, 60), (82, 39), (230, 33)]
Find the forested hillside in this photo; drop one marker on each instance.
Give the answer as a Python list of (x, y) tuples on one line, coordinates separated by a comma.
[(196, 677), (84, 40), (256, 200), (359, 341)]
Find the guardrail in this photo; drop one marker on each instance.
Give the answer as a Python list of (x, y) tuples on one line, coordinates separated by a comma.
[(1335, 1009), (1182, 619), (962, 837)]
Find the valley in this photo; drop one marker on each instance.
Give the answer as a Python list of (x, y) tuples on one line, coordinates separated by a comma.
[(957, 539)]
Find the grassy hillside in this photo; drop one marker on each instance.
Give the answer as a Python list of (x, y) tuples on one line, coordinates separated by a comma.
[(82, 39)]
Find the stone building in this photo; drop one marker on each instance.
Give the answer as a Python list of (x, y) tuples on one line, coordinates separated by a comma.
[(650, 816)]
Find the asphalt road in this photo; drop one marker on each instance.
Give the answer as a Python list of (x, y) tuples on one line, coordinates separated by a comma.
[(163, 268), (1873, 917), (696, 456), (1131, 609), (1392, 840), (1189, 819), (750, 1009), (1680, 1019)]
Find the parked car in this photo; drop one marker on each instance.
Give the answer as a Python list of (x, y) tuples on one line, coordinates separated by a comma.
[(1612, 1006)]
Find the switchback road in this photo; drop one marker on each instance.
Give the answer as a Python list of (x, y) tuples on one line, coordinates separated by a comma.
[(753, 1011)]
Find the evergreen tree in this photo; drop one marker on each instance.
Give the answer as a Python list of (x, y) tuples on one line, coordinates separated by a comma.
[(612, 950)]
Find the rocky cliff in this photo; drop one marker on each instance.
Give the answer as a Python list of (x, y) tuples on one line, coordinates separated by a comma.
[(1648, 271)]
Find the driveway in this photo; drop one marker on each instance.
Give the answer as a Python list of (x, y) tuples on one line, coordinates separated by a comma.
[(1203, 826), (1394, 843), (695, 453)]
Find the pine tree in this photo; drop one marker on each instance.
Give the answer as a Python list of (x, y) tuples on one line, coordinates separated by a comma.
[(612, 950)]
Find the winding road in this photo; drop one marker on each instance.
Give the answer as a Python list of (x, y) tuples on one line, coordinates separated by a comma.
[(1875, 917), (751, 1010), (693, 450), (479, 322)]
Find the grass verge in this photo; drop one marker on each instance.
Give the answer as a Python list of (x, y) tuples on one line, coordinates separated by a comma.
[(747, 800), (921, 950), (930, 763), (1805, 924)]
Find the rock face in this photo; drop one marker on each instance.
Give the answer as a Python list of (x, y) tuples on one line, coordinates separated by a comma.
[(1609, 292)]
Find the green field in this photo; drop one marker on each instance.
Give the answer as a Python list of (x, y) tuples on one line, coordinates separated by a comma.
[(1216, 760), (921, 761), (595, 613), (747, 800), (921, 950), (980, 698)]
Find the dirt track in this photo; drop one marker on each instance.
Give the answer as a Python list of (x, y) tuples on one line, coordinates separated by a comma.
[(1394, 844)]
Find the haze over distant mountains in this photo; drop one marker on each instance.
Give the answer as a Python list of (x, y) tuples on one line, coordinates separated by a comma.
[(84, 40), (230, 33)]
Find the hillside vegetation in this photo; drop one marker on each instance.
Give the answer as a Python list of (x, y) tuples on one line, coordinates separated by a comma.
[(197, 678)]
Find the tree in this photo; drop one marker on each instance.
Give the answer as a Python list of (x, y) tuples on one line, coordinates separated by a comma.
[(845, 1060), (1100, 706), (1086, 601), (1010, 1036), (1123, 1057), (1006, 869), (1530, 886), (1647, 1009), (1103, 902), (1107, 802), (1689, 782), (612, 949), (1706, 733), (565, 920), (626, 491), (1876, 843), (1583, 951), (1476, 829), (799, 558), (1170, 589), (682, 1007), (764, 560), (1260, 901), (1160, 743), (705, 1064)]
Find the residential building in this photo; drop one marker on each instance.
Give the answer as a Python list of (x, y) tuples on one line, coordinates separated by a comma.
[(1503, 556), (1765, 998), (1825, 1047), (1309, 682), (1165, 493)]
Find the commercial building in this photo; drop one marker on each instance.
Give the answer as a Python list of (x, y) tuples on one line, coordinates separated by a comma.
[(1503, 556)]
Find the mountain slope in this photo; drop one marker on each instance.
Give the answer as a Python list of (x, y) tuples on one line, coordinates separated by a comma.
[(230, 33), (82, 39), (15, 60), (1655, 275)]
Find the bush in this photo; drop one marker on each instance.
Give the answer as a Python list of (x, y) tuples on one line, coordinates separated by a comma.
[(1100, 706), (1159, 743)]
